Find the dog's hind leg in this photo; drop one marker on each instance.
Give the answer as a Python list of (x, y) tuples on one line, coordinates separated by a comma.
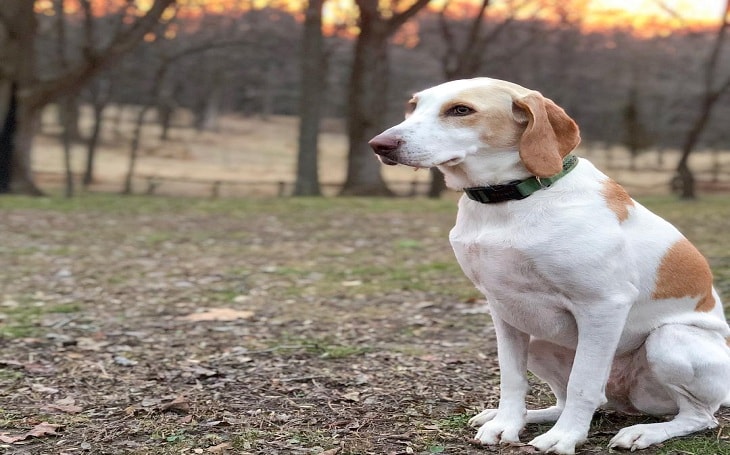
[(552, 364), (691, 366)]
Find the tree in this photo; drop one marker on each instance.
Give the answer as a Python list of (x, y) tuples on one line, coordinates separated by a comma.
[(314, 72), (19, 78), (464, 58), (636, 138), (368, 87), (712, 91), (100, 91)]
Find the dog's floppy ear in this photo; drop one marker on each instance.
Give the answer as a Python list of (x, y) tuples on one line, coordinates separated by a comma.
[(549, 136)]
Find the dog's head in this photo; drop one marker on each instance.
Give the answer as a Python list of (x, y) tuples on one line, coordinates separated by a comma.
[(480, 131)]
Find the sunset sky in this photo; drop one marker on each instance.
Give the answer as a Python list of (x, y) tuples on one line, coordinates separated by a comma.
[(690, 9), (674, 13), (643, 17)]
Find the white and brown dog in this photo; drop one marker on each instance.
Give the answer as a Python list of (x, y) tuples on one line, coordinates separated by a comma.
[(590, 291)]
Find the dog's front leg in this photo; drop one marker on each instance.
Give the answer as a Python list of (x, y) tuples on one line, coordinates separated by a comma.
[(509, 420), (599, 331)]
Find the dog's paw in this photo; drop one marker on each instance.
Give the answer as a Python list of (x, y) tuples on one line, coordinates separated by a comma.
[(482, 418), (499, 431), (558, 441), (638, 437)]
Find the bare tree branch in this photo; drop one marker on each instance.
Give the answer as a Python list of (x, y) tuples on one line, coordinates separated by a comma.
[(716, 52), (88, 46), (76, 77), (399, 19)]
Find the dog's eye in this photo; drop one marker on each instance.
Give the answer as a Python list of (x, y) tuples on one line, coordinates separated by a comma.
[(459, 111)]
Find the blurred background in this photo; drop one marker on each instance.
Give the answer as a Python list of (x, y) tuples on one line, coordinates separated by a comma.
[(204, 313), (256, 97)]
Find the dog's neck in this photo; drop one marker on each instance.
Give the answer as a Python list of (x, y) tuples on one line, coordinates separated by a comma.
[(503, 168)]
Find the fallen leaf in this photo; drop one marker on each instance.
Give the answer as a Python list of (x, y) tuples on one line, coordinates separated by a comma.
[(38, 431), (218, 314), (90, 344), (40, 388), (149, 401), (200, 372), (220, 448), (351, 396), (180, 405), (68, 409), (44, 429)]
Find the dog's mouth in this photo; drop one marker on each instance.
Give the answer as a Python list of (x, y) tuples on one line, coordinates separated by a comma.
[(388, 161)]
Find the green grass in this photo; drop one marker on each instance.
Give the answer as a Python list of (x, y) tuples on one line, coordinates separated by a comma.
[(294, 207), (321, 347), (703, 221), (21, 321), (697, 444), (455, 422)]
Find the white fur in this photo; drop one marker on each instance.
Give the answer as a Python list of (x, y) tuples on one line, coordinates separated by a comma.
[(569, 286)]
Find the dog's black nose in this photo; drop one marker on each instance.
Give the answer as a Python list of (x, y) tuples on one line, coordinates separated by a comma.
[(383, 145)]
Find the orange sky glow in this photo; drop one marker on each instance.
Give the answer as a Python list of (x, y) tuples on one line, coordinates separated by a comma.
[(652, 17), (644, 18)]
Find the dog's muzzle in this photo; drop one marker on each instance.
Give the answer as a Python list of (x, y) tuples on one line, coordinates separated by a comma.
[(386, 147)]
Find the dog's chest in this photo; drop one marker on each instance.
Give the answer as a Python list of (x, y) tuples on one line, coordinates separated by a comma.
[(505, 264)]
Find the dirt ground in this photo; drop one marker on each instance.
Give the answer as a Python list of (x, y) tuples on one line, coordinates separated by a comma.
[(135, 325)]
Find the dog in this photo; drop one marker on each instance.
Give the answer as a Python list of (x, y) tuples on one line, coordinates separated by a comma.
[(590, 291)]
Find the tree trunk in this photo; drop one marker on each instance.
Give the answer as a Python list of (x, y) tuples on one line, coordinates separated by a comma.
[(438, 184), (684, 173), (68, 116), (66, 144), (8, 111), (368, 86), (267, 93), (91, 146), (208, 115), (101, 92), (314, 76), (709, 101), (134, 150), (17, 71), (21, 175)]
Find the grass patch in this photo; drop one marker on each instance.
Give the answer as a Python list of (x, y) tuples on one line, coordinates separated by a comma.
[(696, 444), (455, 422), (21, 319), (322, 348)]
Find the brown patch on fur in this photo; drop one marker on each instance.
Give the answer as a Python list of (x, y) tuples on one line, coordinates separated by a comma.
[(684, 272), (617, 198), (549, 136)]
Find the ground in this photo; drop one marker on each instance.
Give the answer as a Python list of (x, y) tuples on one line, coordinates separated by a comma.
[(153, 325)]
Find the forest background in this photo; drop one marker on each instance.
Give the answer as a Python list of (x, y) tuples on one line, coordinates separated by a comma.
[(639, 81)]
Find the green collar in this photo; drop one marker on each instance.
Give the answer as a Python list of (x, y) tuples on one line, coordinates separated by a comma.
[(518, 189)]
